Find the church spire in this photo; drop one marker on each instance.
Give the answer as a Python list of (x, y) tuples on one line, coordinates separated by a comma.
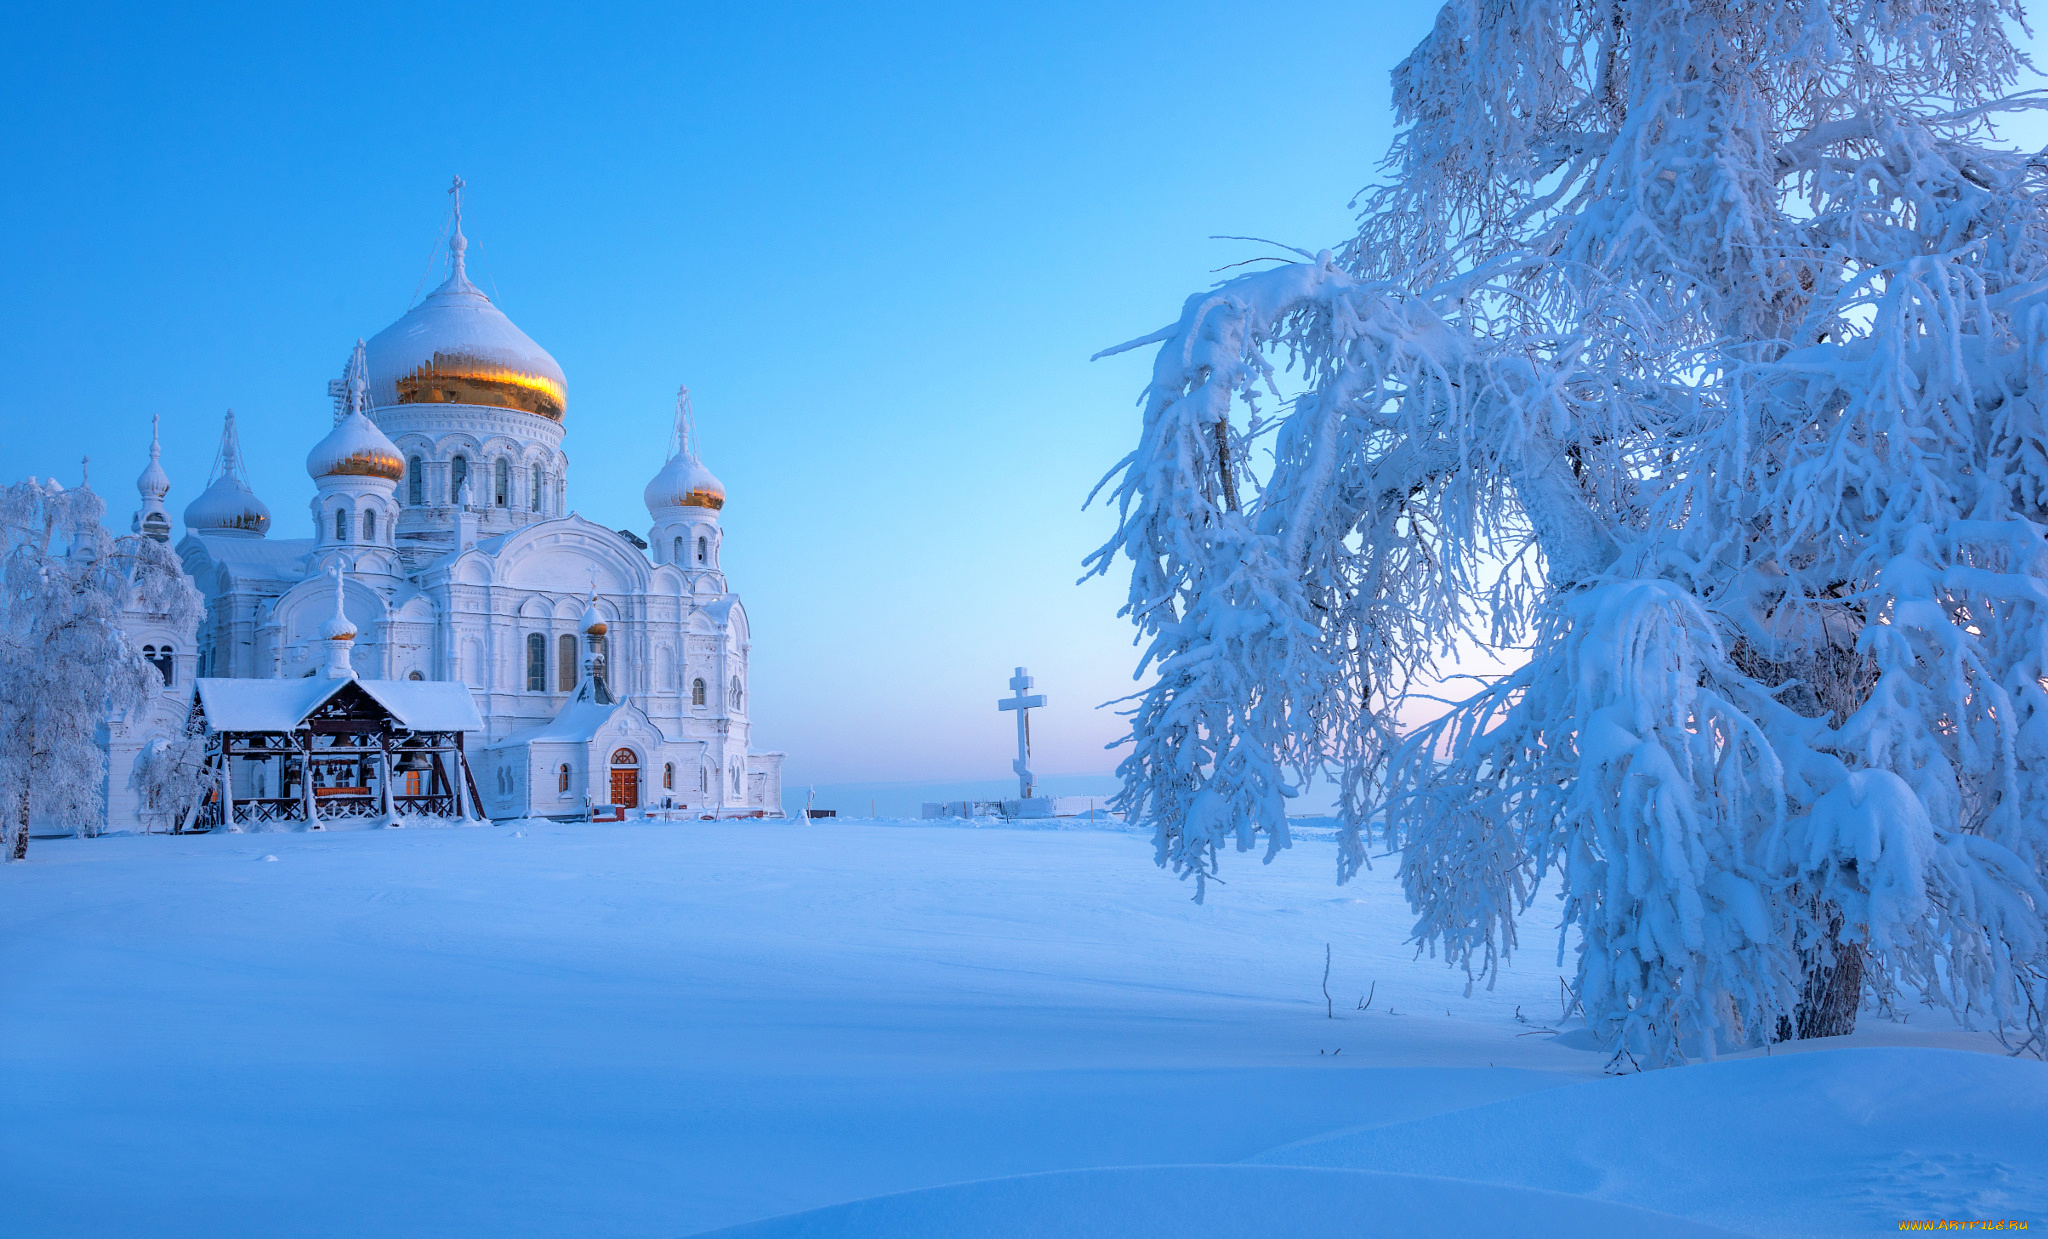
[(151, 520), (340, 636)]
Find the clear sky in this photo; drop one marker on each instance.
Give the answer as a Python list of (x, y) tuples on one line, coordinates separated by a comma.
[(879, 242)]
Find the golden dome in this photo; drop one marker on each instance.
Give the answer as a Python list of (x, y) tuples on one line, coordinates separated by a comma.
[(355, 448), (684, 482), (455, 347)]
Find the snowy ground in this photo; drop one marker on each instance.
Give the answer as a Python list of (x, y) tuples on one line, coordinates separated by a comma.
[(648, 1029)]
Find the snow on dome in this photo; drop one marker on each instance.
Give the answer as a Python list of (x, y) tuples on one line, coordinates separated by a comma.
[(154, 483), (337, 627), (355, 448), (592, 621), (228, 505), (455, 347), (684, 482)]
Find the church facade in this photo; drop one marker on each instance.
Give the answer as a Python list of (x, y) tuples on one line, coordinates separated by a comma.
[(442, 501)]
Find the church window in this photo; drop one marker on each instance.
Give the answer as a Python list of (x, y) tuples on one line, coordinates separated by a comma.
[(501, 482), (415, 482), (370, 526), (735, 693), (533, 497), (735, 778), (624, 757), (668, 776), (340, 525), (703, 550), (536, 663), (704, 781), (414, 675), (678, 556), (697, 692), (562, 779), (166, 666), (565, 660), (458, 473)]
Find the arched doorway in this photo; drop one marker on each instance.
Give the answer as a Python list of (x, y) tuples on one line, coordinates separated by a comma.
[(625, 779)]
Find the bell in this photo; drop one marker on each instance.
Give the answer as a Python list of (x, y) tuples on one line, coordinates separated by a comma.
[(411, 760)]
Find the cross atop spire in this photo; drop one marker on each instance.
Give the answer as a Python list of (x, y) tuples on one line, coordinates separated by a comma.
[(684, 438), (227, 461), (457, 243)]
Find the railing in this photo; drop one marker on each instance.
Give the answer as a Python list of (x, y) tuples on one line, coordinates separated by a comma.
[(270, 809), (425, 806)]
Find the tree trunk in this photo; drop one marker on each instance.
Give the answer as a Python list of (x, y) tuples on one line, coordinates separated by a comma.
[(20, 849), (1833, 988)]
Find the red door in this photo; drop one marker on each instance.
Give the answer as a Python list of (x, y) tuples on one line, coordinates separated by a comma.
[(626, 788)]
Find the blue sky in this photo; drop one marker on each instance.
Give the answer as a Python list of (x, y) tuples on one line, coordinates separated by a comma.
[(878, 242)]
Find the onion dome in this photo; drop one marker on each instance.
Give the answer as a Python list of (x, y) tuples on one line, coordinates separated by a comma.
[(227, 505), (154, 483), (337, 627), (455, 347), (592, 622), (355, 447), (684, 482)]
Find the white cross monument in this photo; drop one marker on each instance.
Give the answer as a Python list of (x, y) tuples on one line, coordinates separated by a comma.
[(1023, 706)]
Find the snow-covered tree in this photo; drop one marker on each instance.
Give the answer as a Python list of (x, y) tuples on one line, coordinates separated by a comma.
[(1699, 347), (66, 665)]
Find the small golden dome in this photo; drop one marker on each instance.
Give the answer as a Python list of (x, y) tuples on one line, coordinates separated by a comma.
[(355, 448)]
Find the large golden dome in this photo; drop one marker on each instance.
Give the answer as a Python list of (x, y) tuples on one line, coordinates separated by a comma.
[(455, 347)]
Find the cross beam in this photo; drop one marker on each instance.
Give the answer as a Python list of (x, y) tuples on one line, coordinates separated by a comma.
[(1023, 705)]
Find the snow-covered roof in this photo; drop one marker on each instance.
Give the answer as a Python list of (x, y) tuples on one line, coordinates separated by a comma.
[(427, 705), (262, 705), (268, 559), (576, 724), (281, 705)]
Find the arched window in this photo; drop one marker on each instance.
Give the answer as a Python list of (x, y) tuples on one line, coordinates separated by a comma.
[(668, 776), (161, 658), (415, 482), (370, 526), (533, 496), (340, 525), (735, 698), (414, 675), (501, 483), (565, 662), (536, 663), (696, 692), (624, 757), (703, 550), (562, 778), (458, 473), (678, 556), (735, 777)]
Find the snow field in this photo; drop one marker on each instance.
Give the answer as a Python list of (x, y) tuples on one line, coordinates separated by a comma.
[(655, 1029)]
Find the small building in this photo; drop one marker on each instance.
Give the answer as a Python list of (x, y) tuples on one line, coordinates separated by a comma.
[(314, 751), (328, 746)]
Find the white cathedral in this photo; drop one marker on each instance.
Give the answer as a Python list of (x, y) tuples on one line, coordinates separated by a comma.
[(442, 499)]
